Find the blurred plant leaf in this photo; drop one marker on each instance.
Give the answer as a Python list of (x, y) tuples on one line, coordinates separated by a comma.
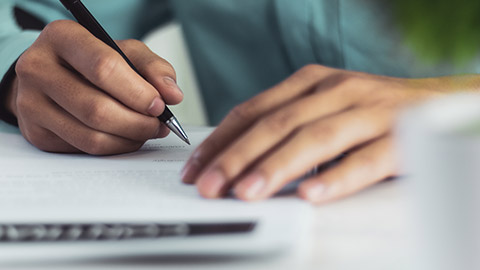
[(441, 30)]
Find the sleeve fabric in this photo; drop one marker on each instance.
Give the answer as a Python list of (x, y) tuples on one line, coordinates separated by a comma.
[(13, 42)]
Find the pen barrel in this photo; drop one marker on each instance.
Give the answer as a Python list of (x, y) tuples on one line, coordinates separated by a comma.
[(166, 115), (68, 3)]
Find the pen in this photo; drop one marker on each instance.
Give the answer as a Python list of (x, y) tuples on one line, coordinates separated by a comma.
[(86, 19)]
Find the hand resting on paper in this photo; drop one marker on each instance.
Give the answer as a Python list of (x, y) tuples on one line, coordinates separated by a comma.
[(309, 119)]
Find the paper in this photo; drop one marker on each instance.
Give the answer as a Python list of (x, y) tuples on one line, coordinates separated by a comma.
[(42, 187)]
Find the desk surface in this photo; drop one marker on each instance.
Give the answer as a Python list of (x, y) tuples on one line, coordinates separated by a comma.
[(369, 230)]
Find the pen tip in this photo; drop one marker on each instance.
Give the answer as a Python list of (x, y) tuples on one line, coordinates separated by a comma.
[(175, 127)]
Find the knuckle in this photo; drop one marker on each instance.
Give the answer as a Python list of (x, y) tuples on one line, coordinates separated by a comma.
[(279, 121), (133, 44), (340, 82), (25, 104), (22, 103), (53, 29), (96, 114), (320, 132), (347, 83), (95, 144), (131, 47), (159, 65), (243, 112), (350, 81), (28, 64), (103, 66), (312, 69)]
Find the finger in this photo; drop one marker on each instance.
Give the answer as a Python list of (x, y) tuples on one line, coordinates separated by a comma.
[(61, 123), (104, 67), (244, 115), (163, 131), (93, 107), (315, 144), (88, 140), (273, 129), (154, 69), (362, 168), (45, 140)]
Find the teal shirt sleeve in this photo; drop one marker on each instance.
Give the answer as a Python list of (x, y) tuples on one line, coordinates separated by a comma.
[(13, 40), (137, 18)]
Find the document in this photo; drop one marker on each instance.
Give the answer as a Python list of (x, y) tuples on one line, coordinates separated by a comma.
[(41, 187), (144, 185)]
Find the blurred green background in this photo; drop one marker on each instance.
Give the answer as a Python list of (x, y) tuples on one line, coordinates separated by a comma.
[(441, 30)]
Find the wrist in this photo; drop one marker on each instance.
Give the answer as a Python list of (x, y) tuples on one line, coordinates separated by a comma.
[(10, 104), (8, 89)]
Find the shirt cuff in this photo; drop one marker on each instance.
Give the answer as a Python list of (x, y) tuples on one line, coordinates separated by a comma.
[(5, 84)]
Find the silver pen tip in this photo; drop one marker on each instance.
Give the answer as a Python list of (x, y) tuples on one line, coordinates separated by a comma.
[(175, 127)]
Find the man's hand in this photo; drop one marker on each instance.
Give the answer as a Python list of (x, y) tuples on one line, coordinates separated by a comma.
[(73, 93), (309, 119)]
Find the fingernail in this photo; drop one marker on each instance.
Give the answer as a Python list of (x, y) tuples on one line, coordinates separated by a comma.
[(190, 171), (211, 184), (157, 107), (252, 187), (317, 193), (172, 84)]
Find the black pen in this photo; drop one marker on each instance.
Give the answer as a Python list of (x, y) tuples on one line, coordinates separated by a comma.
[(86, 19)]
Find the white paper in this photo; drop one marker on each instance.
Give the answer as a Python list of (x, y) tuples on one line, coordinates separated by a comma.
[(42, 187)]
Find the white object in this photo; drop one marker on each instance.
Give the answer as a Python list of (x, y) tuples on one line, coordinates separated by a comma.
[(440, 145)]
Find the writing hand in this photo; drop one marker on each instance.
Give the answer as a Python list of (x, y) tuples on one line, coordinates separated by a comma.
[(73, 93)]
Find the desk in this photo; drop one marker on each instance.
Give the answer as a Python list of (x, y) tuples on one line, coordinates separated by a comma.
[(369, 230)]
